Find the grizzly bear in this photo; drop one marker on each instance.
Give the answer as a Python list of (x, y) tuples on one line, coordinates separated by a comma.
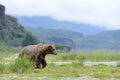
[(37, 53)]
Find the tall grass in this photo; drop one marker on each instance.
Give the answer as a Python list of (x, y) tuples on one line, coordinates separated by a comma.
[(2, 68), (20, 65)]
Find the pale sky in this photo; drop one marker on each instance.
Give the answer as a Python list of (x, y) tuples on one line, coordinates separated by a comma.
[(95, 12)]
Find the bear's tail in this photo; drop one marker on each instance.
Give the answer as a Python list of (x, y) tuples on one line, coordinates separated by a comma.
[(21, 53)]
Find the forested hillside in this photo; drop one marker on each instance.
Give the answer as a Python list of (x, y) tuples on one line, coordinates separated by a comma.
[(12, 33), (56, 36), (104, 40)]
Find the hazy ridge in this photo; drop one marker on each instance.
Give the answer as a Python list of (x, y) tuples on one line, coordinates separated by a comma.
[(48, 22)]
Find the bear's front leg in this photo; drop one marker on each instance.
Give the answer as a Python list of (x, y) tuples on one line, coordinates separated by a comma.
[(38, 60), (44, 64)]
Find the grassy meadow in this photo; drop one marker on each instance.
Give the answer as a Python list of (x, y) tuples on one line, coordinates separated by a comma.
[(19, 68), (86, 56)]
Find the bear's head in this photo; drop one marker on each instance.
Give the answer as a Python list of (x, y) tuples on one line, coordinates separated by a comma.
[(50, 49), (46, 49)]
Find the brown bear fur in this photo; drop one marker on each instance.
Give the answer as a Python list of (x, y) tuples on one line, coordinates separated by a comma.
[(38, 52)]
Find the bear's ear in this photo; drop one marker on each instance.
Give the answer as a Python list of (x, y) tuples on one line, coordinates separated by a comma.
[(50, 46)]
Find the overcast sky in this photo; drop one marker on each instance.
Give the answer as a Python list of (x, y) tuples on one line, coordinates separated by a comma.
[(96, 12)]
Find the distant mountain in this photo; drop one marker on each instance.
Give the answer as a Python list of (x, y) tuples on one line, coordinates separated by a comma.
[(50, 23)]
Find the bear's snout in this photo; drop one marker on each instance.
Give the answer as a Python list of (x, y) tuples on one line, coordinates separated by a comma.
[(55, 53)]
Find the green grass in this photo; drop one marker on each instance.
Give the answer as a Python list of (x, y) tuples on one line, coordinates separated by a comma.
[(91, 56), (71, 70), (20, 65), (2, 67)]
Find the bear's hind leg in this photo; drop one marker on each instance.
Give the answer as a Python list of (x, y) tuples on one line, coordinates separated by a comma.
[(37, 63)]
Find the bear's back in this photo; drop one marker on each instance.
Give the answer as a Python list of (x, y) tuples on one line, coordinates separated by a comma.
[(28, 51)]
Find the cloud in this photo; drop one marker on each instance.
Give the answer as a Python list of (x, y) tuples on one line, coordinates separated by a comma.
[(95, 12)]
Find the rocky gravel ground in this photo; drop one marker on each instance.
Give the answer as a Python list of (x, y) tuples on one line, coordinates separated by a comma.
[(49, 78)]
